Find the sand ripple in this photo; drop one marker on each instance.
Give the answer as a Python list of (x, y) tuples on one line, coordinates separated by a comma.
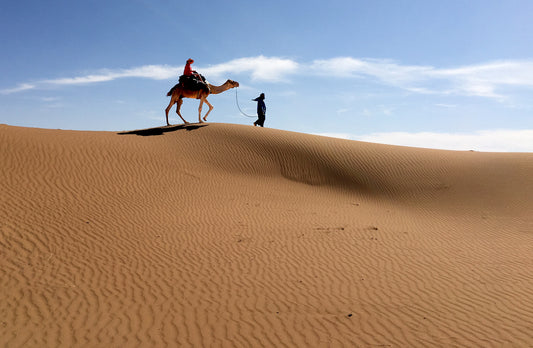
[(228, 235)]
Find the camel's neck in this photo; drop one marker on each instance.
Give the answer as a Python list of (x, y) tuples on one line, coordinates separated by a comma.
[(219, 89)]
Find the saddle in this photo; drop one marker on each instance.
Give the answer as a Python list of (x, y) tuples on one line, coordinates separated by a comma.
[(193, 83)]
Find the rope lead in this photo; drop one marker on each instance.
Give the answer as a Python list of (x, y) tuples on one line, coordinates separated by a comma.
[(237, 101)]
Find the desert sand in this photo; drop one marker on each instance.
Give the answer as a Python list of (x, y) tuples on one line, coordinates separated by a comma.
[(222, 235)]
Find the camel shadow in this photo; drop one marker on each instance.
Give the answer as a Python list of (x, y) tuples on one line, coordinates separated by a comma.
[(164, 129)]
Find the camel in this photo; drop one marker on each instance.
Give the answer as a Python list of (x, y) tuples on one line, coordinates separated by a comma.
[(177, 93)]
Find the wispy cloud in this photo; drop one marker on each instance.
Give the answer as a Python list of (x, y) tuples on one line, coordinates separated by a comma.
[(383, 69), (20, 88), (342, 110), (483, 80), (474, 80), (502, 140), (154, 72), (273, 69), (261, 68)]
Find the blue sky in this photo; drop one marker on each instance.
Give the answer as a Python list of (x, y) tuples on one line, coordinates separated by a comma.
[(439, 74)]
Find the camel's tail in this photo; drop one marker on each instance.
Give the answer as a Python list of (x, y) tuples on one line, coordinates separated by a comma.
[(171, 90)]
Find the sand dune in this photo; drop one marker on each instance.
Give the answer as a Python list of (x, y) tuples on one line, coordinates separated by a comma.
[(225, 235)]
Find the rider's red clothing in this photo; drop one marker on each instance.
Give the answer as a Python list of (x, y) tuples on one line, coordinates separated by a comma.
[(188, 70)]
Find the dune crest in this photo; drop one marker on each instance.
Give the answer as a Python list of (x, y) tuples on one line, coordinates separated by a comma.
[(227, 235)]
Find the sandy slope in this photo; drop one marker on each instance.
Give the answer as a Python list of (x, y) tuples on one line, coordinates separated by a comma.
[(226, 235)]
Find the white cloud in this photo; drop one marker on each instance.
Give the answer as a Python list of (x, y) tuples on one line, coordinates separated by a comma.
[(80, 80), (49, 99), (155, 72), (475, 80), (20, 88), (382, 69), (261, 68), (484, 140), (484, 80)]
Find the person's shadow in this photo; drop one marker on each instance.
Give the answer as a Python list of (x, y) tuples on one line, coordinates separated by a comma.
[(163, 129)]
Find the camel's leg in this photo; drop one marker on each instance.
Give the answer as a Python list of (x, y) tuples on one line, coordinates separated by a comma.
[(178, 107), (172, 101), (208, 111), (200, 110)]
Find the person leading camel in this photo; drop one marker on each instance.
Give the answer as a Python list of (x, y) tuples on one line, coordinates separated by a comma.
[(261, 110)]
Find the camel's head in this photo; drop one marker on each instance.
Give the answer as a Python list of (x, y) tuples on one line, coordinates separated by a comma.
[(232, 83)]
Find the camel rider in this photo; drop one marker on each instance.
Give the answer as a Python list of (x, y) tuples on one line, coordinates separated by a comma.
[(192, 79), (188, 69)]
